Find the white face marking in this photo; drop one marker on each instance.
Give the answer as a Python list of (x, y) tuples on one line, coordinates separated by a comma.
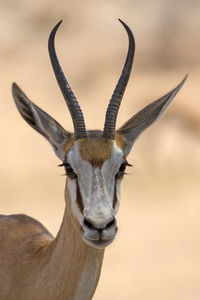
[(98, 187), (109, 169)]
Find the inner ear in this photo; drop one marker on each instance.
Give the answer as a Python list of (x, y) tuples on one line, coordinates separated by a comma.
[(41, 121), (129, 132)]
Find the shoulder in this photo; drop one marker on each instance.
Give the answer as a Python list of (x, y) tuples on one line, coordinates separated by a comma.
[(20, 225)]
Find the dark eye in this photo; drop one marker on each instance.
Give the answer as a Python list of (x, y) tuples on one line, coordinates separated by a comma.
[(121, 170), (68, 168), (69, 171)]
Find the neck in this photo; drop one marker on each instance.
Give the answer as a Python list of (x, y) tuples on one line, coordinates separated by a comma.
[(77, 264)]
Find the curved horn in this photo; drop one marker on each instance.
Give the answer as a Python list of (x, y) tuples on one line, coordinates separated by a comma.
[(113, 107), (72, 103)]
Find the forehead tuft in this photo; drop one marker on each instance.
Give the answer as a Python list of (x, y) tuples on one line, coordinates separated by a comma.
[(96, 149), (69, 143), (120, 141)]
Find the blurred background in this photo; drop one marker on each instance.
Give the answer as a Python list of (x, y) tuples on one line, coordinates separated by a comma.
[(157, 252)]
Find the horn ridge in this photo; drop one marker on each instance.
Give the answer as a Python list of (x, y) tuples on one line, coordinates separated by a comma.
[(114, 104), (70, 99)]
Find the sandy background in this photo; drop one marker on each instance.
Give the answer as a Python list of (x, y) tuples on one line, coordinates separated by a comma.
[(157, 252)]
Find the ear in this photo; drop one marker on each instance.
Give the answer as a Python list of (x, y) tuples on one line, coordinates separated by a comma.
[(41, 121), (144, 118)]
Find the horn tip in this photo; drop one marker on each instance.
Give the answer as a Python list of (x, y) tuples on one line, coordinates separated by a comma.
[(55, 28), (120, 20), (185, 77), (129, 31), (58, 24), (15, 87), (52, 34), (123, 23), (183, 81)]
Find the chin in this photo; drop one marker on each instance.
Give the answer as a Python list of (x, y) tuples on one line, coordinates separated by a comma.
[(98, 244)]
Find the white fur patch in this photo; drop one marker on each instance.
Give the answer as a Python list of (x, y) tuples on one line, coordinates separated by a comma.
[(96, 185)]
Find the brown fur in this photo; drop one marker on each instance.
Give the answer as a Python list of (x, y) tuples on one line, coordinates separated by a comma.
[(69, 143), (120, 141), (34, 266), (20, 237), (95, 150)]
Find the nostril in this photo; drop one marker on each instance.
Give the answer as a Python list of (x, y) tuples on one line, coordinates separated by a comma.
[(110, 224), (88, 224)]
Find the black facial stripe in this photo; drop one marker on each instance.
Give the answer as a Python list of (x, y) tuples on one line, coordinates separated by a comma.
[(79, 199), (115, 195)]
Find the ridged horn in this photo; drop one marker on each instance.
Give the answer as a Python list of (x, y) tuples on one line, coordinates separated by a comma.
[(113, 107), (72, 103)]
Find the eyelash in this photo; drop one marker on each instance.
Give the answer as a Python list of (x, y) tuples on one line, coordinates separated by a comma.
[(69, 170), (121, 171)]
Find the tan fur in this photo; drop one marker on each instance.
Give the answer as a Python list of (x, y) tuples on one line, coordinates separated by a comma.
[(120, 141), (69, 143), (95, 150), (34, 266)]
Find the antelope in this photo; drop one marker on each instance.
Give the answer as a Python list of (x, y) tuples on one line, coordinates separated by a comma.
[(33, 264)]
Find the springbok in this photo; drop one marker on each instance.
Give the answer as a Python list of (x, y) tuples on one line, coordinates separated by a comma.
[(33, 264)]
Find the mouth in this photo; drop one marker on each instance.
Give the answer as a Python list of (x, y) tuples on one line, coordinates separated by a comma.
[(97, 240), (99, 244)]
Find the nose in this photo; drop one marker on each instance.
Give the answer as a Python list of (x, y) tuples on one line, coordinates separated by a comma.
[(92, 225)]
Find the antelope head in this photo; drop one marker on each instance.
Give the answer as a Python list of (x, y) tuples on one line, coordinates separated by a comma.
[(95, 161)]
